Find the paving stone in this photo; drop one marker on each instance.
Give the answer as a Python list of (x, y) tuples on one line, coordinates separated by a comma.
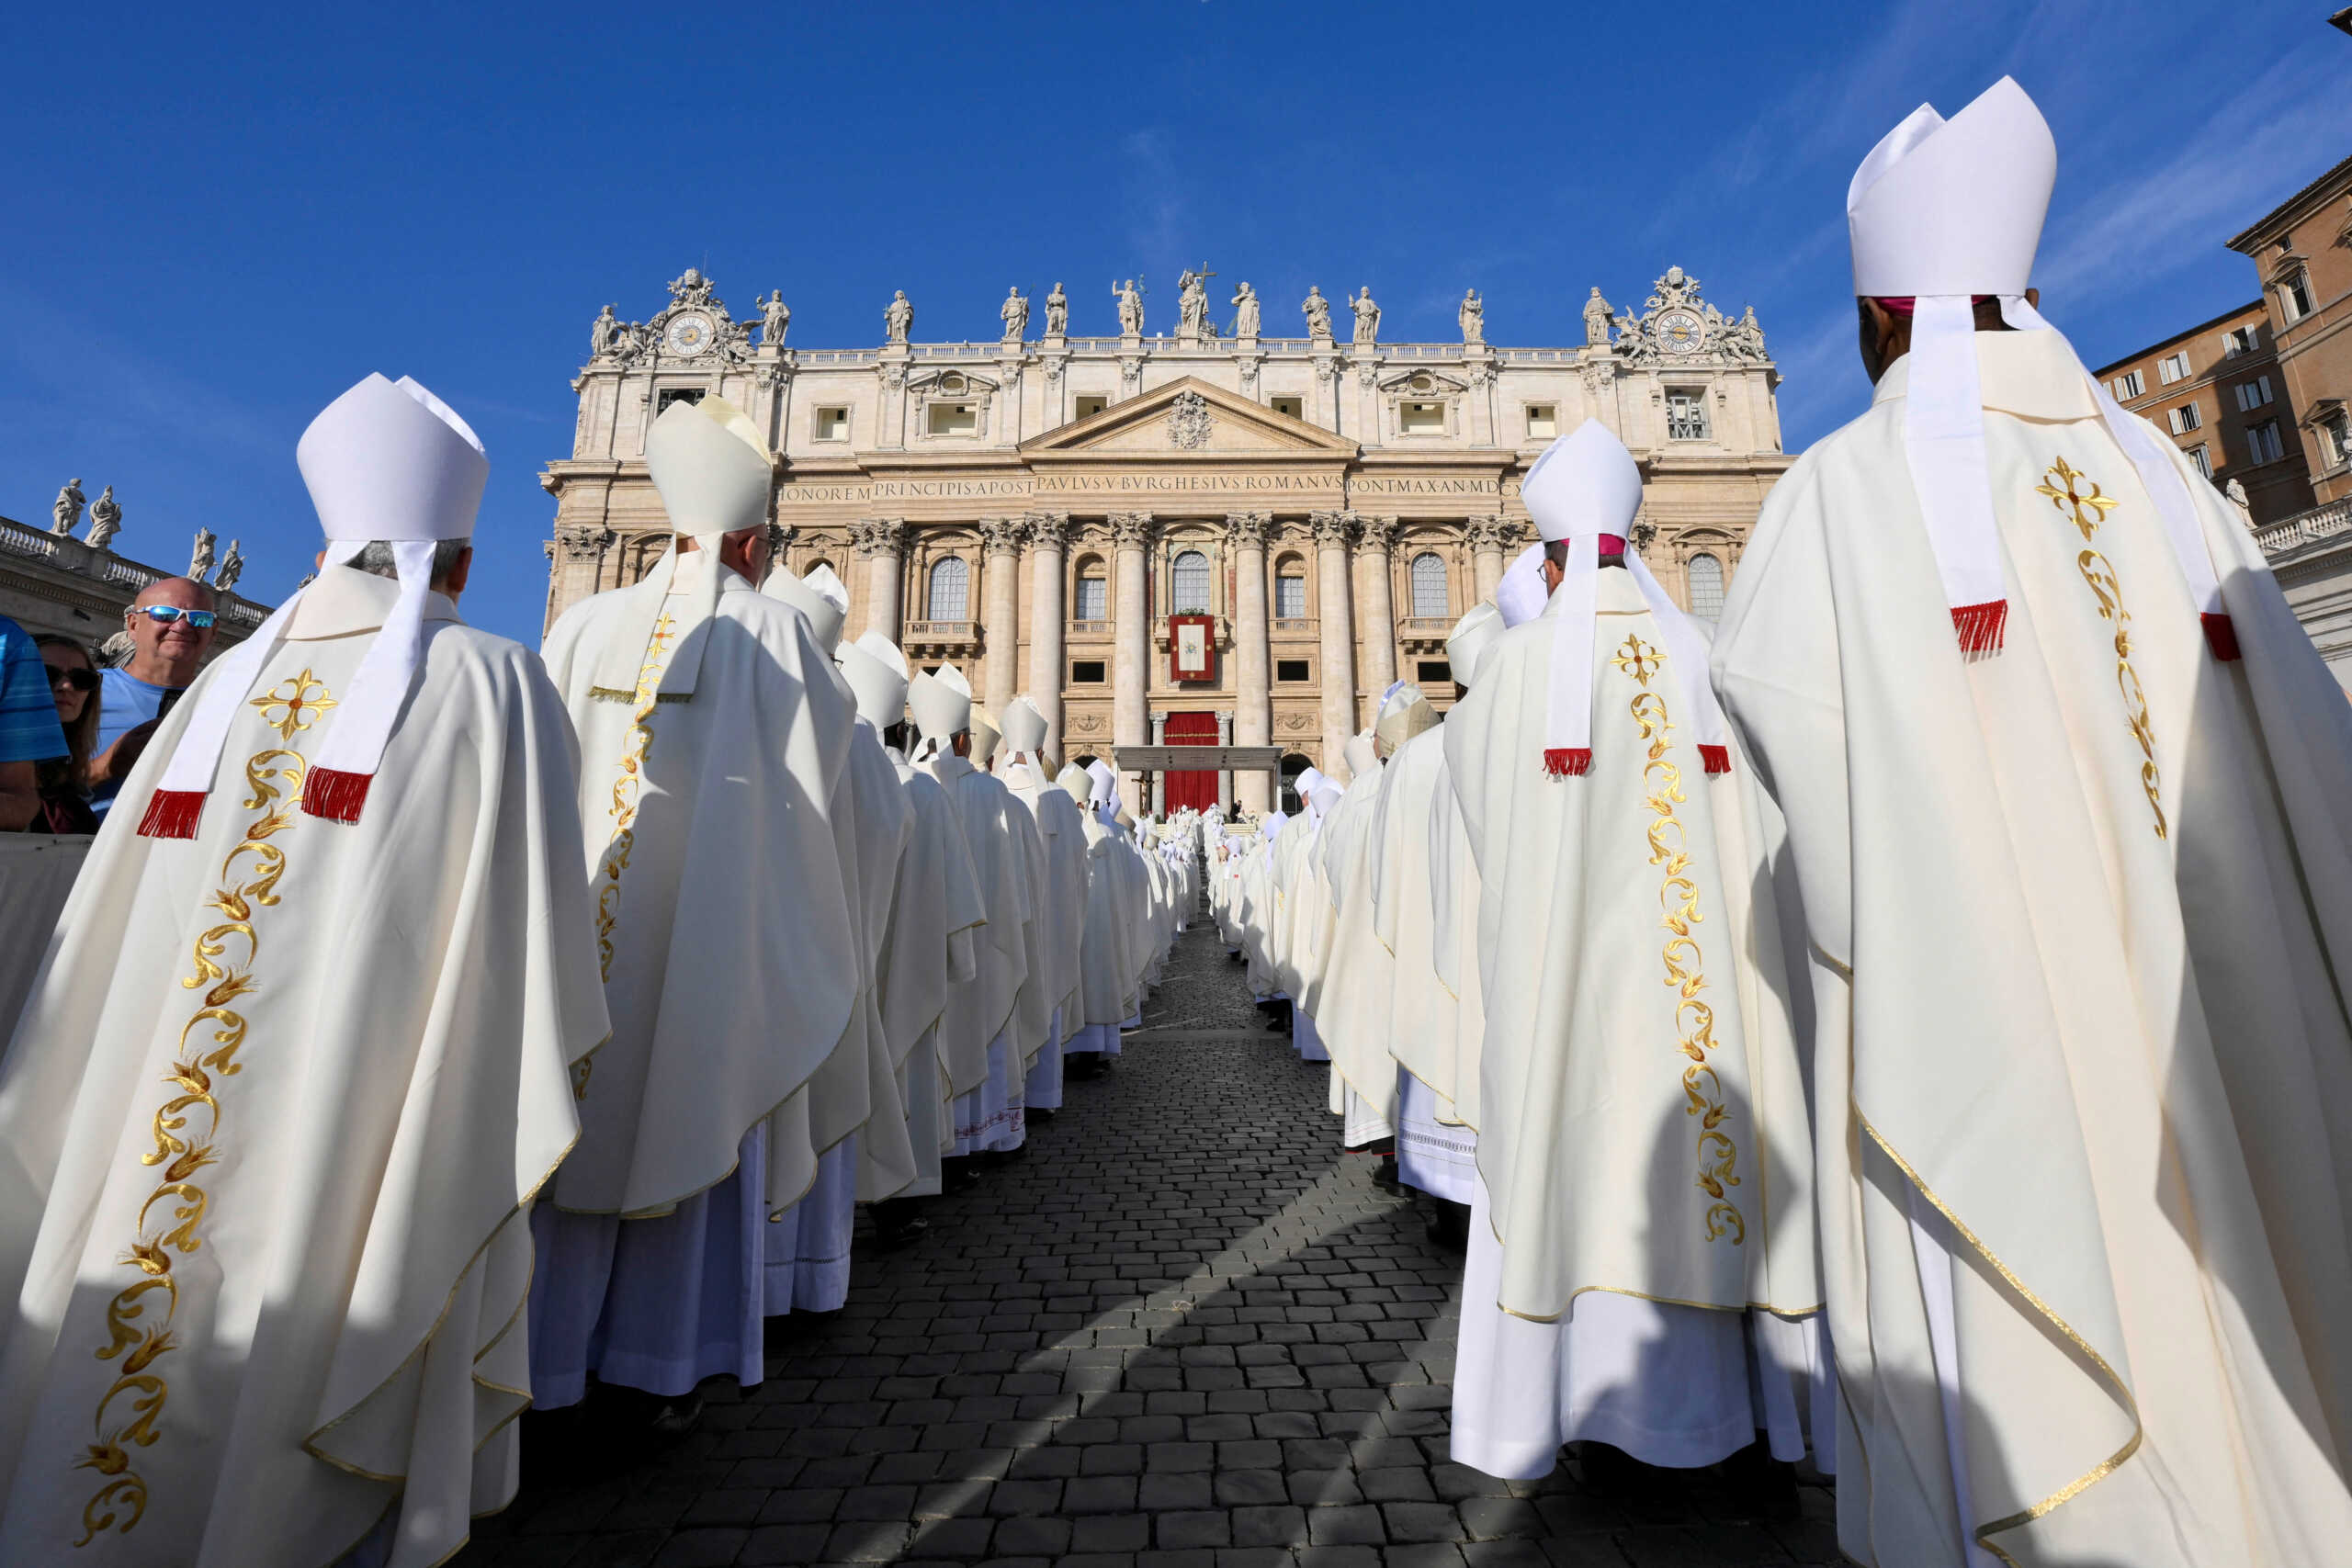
[(1183, 1330)]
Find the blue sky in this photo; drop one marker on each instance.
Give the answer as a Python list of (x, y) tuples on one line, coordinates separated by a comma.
[(222, 223)]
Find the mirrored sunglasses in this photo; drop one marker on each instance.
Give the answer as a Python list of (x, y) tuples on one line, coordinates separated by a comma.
[(164, 614)]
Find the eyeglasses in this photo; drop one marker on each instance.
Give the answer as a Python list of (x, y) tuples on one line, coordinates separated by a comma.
[(164, 614), (80, 679)]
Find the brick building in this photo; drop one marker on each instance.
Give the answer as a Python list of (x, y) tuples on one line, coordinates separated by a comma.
[(2217, 389), (2303, 251)]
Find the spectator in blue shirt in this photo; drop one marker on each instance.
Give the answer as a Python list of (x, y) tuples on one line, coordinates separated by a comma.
[(29, 732), (171, 630)]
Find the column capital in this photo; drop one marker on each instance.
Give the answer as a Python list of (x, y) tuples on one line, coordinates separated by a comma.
[(1495, 532), (1003, 535), (578, 543), (1377, 531), (878, 536), (1331, 528), (1133, 529), (1249, 529), (1047, 530)]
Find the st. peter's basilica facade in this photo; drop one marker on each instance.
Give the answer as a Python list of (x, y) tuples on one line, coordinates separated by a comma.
[(1211, 534)]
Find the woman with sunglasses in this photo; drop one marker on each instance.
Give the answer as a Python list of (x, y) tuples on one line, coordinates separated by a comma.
[(170, 626), (73, 687)]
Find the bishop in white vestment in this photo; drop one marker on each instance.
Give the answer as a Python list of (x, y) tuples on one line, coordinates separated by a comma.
[(714, 738), (1061, 918), (298, 1060), (1643, 1149), (2065, 783)]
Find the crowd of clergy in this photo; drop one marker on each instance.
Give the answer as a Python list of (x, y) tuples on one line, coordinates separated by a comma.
[(1900, 1027)]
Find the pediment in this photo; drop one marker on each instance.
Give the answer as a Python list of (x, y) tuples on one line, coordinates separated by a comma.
[(1188, 418)]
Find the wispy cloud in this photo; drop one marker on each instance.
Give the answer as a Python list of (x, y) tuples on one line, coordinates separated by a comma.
[(2252, 152)]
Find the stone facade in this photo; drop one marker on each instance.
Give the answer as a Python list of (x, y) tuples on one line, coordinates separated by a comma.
[(53, 583), (2216, 389), (2302, 252), (1033, 509)]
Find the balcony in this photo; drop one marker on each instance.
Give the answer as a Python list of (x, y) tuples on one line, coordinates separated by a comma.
[(941, 639), (2290, 535), (1423, 634)]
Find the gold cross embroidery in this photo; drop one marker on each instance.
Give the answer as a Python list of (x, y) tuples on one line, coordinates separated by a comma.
[(293, 694), (1638, 659), (2068, 499)]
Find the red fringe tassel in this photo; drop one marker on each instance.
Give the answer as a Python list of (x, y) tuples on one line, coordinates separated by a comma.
[(1980, 626), (337, 796), (172, 814), (1565, 761), (2221, 637), (1716, 758)]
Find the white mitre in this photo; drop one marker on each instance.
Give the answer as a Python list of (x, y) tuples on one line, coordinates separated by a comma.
[(1941, 213), (715, 475), (1404, 713), (941, 705), (821, 596), (1521, 594), (1075, 782), (1584, 489), (1024, 731), (1361, 758), (385, 461), (985, 735), (1472, 635), (876, 673)]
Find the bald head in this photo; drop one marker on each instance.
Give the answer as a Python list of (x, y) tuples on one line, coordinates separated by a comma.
[(166, 653)]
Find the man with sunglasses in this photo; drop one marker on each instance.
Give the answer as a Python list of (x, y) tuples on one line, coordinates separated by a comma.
[(171, 630)]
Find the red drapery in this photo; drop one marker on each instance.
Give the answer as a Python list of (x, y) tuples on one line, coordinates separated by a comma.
[(1196, 787)]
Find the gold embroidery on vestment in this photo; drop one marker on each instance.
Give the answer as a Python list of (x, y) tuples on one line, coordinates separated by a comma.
[(138, 1329), (1677, 895), (2107, 588), (627, 788)]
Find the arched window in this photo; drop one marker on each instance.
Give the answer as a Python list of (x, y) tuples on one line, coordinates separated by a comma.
[(1429, 584), (1093, 592), (950, 579), (1706, 574), (1191, 574), (810, 569), (1290, 589)]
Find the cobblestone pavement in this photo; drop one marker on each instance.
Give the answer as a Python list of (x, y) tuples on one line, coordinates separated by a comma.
[(1181, 1330)]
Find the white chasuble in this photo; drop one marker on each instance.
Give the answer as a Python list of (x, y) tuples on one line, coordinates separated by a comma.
[(1417, 1010), (1358, 972), (1642, 1119), (272, 1114), (1062, 913), (729, 948), (1105, 965), (935, 913), (2085, 1078), (979, 1011)]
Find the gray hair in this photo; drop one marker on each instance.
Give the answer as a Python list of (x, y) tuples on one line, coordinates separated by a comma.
[(376, 557)]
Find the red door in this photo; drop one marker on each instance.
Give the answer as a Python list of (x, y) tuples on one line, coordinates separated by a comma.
[(1193, 787)]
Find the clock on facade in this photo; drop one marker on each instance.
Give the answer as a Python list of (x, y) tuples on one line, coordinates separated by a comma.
[(1679, 331), (689, 333)]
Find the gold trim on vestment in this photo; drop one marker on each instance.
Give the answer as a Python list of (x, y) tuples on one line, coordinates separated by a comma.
[(2098, 1472), (1678, 911), (627, 789), (2107, 587), (288, 708)]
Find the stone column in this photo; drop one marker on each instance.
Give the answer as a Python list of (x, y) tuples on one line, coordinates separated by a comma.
[(1253, 715), (1224, 776), (881, 542), (1130, 637), (1048, 619), (1338, 636), (1486, 537), (1159, 780), (1000, 570), (1375, 566), (578, 551)]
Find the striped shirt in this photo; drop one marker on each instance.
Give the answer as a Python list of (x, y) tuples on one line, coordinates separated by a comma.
[(28, 728)]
